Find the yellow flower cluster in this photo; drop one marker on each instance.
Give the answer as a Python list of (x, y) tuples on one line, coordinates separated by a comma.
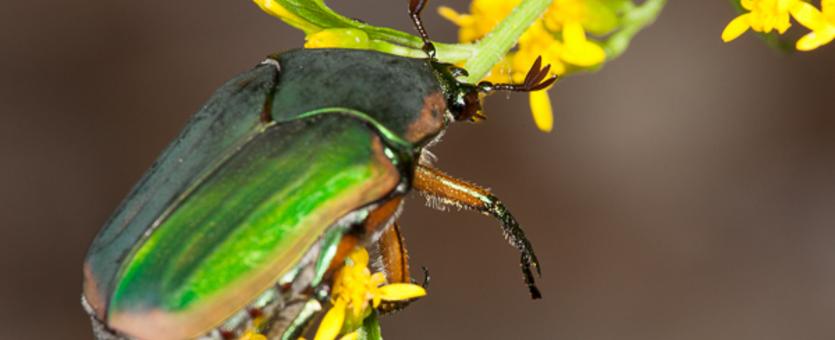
[(356, 292), (821, 22), (559, 37), (766, 16)]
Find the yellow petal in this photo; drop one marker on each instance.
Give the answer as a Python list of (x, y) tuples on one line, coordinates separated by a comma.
[(808, 15), (457, 18), (358, 307), (359, 257), (813, 40), (273, 8), (401, 291), (351, 336), (573, 33), (377, 279), (332, 322), (808, 42), (783, 24), (250, 335), (543, 116), (578, 50), (585, 55), (828, 8), (736, 27)]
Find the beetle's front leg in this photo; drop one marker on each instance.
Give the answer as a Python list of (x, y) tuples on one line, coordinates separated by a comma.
[(443, 189)]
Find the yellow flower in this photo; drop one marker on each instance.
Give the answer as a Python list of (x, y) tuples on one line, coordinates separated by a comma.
[(763, 16), (252, 335), (484, 16), (541, 108), (356, 292), (821, 22), (559, 37)]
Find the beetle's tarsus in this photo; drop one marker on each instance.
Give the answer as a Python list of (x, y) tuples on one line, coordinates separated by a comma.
[(442, 188), (516, 237)]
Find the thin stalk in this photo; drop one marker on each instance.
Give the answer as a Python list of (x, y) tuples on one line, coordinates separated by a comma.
[(633, 22), (492, 49), (447, 53)]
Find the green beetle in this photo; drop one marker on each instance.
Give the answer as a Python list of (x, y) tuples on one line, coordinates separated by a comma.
[(243, 213)]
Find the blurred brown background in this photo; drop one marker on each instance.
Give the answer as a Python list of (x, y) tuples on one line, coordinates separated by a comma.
[(687, 192)]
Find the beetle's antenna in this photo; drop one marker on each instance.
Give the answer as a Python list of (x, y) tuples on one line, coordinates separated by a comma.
[(535, 80), (415, 7)]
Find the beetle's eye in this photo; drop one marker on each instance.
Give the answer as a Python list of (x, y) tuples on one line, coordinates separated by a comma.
[(472, 107)]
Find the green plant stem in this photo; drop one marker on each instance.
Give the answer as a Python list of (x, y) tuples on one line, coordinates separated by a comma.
[(447, 53), (492, 49), (636, 18), (313, 15)]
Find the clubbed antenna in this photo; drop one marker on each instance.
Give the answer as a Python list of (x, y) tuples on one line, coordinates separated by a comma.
[(535, 80)]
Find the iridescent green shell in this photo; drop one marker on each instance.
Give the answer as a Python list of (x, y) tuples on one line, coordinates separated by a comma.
[(276, 157)]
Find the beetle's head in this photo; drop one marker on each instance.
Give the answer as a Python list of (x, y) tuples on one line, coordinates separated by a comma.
[(464, 99)]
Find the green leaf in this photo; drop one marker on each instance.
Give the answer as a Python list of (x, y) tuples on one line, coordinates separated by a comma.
[(321, 16), (371, 328), (312, 16), (633, 21)]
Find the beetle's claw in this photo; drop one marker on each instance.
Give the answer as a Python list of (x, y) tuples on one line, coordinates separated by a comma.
[(426, 278)]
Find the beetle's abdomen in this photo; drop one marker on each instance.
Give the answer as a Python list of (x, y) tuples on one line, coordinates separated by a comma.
[(247, 223), (229, 118)]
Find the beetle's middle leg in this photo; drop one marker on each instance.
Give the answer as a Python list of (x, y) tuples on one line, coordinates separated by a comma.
[(395, 263), (441, 188), (392, 257)]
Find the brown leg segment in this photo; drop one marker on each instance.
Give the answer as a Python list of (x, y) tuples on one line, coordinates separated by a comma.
[(395, 260), (444, 189), (377, 219), (395, 256)]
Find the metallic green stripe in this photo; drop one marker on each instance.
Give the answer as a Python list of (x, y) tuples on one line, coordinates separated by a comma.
[(253, 211), (389, 135)]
